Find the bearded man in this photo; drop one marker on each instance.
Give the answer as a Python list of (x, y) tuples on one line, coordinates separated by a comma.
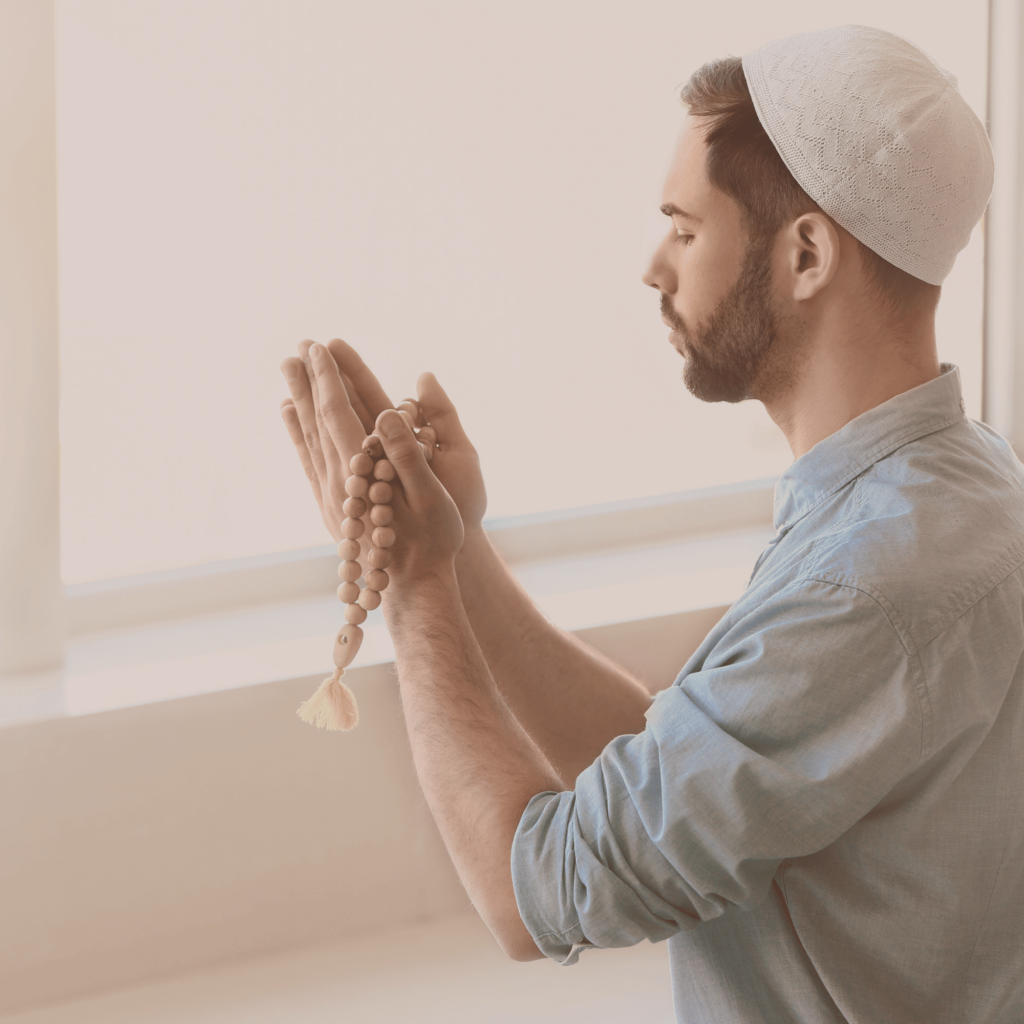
[(824, 814)]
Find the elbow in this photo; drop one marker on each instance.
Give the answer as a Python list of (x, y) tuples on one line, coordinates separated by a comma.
[(520, 948), (513, 936), (524, 956)]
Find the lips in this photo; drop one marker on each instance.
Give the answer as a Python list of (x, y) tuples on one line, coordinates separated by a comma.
[(675, 337)]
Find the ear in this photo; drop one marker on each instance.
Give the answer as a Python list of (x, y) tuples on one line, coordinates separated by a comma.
[(810, 255)]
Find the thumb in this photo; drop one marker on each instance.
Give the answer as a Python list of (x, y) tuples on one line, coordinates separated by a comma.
[(439, 412), (404, 453)]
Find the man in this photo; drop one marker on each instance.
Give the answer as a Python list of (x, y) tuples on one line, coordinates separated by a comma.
[(824, 814)]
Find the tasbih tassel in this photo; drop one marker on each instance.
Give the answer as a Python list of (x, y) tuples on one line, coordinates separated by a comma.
[(333, 706)]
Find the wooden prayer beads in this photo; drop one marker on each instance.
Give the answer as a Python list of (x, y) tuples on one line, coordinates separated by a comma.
[(333, 706), (370, 490)]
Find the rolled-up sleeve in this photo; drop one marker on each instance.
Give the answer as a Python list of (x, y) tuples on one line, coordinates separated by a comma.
[(792, 727)]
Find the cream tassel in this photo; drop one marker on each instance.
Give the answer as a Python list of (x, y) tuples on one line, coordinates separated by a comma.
[(333, 706)]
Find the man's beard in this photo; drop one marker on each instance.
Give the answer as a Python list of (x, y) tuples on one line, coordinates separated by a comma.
[(731, 356)]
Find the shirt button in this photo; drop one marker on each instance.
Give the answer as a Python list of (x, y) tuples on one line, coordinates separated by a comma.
[(963, 408)]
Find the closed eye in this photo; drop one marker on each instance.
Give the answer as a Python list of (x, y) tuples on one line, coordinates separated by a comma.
[(683, 238)]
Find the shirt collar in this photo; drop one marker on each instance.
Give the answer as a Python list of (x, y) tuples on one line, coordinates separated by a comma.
[(834, 461)]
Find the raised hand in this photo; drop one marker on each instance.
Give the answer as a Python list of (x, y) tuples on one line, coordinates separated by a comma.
[(326, 427), (455, 461)]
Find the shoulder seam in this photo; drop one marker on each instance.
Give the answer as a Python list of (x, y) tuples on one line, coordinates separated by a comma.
[(875, 595)]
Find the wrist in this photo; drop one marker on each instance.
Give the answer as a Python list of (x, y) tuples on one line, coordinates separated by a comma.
[(417, 597), (476, 545)]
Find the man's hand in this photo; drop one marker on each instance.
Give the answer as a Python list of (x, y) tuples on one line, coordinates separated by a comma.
[(455, 461), (326, 427), (327, 431), (427, 523)]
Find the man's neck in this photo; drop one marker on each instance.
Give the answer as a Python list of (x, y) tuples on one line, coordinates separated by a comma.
[(848, 367)]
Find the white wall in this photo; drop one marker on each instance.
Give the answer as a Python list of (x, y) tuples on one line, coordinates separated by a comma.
[(465, 187), (158, 839)]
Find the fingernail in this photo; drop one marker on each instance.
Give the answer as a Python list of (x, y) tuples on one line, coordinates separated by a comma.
[(288, 369), (315, 350), (391, 423)]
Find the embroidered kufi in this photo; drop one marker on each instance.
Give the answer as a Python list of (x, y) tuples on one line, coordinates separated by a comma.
[(878, 135)]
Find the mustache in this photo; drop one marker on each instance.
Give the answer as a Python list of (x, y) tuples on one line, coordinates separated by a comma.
[(670, 314)]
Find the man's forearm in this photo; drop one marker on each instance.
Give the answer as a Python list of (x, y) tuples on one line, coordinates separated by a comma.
[(476, 764), (570, 699)]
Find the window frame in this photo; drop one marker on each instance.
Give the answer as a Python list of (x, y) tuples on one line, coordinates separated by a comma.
[(1002, 334), (31, 597)]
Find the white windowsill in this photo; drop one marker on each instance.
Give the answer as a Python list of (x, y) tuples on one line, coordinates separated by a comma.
[(250, 647), (678, 563)]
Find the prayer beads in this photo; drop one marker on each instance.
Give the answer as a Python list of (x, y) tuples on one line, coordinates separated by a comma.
[(369, 490), (333, 706)]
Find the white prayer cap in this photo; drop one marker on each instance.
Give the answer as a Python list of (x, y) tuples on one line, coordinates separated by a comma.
[(877, 134)]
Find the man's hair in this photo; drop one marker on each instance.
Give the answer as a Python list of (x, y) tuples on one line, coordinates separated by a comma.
[(742, 162)]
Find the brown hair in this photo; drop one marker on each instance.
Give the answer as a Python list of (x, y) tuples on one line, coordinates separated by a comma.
[(742, 162)]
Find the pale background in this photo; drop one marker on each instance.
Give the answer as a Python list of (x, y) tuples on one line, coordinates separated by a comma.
[(469, 188)]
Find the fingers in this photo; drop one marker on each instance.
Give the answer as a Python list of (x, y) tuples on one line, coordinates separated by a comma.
[(302, 401), (337, 464), (430, 529), (372, 396), (405, 454), (362, 412), (291, 421), (340, 420), (307, 364), (439, 412)]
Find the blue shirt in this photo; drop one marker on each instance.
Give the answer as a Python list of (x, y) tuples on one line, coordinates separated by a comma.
[(825, 813)]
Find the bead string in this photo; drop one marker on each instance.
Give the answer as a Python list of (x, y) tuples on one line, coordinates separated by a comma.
[(333, 706)]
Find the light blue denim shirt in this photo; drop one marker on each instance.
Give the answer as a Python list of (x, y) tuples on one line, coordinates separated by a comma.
[(825, 813)]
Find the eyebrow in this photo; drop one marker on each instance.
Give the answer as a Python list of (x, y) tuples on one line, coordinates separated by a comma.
[(671, 210)]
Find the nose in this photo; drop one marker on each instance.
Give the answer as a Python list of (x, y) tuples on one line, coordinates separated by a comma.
[(659, 273)]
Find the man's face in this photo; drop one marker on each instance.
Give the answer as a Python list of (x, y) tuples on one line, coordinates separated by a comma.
[(716, 287)]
